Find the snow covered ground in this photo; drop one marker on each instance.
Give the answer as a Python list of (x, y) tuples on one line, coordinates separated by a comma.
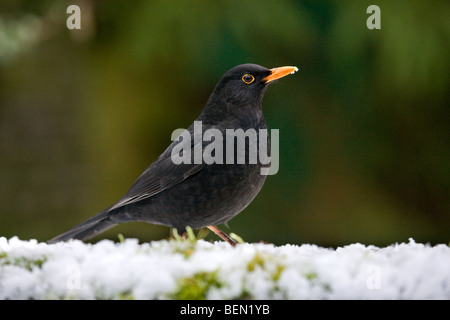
[(203, 270)]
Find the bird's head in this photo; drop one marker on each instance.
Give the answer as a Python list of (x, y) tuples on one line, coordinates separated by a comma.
[(246, 83), (240, 91)]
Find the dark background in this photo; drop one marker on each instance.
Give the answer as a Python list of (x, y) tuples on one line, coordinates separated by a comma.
[(364, 125)]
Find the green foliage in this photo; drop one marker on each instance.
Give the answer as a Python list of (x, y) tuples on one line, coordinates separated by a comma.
[(277, 273), (196, 287), (23, 262), (121, 238), (311, 276), (257, 261), (185, 243), (237, 238), (126, 296), (190, 234), (267, 263)]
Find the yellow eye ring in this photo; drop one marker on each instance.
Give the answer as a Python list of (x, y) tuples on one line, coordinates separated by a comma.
[(248, 78)]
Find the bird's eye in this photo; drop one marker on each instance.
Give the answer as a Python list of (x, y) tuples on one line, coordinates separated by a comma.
[(248, 78)]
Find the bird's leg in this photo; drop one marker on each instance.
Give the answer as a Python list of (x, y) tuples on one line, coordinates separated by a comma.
[(223, 235)]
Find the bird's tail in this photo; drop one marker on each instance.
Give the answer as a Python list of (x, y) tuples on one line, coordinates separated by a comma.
[(87, 229)]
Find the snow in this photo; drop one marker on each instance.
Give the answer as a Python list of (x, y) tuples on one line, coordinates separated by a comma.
[(171, 269)]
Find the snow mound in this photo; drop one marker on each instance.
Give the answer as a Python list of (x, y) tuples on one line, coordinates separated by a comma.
[(170, 269)]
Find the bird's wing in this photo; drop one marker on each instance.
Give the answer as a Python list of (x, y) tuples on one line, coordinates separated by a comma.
[(161, 175)]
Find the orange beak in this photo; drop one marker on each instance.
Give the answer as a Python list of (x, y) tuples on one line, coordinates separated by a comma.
[(280, 72)]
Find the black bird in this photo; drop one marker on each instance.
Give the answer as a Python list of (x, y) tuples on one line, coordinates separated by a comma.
[(198, 194)]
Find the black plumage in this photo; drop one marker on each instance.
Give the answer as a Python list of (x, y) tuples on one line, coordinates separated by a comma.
[(198, 194)]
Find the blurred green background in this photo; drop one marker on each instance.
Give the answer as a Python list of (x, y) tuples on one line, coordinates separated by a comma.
[(364, 125)]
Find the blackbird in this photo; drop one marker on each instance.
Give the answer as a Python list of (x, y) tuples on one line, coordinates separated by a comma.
[(195, 193)]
